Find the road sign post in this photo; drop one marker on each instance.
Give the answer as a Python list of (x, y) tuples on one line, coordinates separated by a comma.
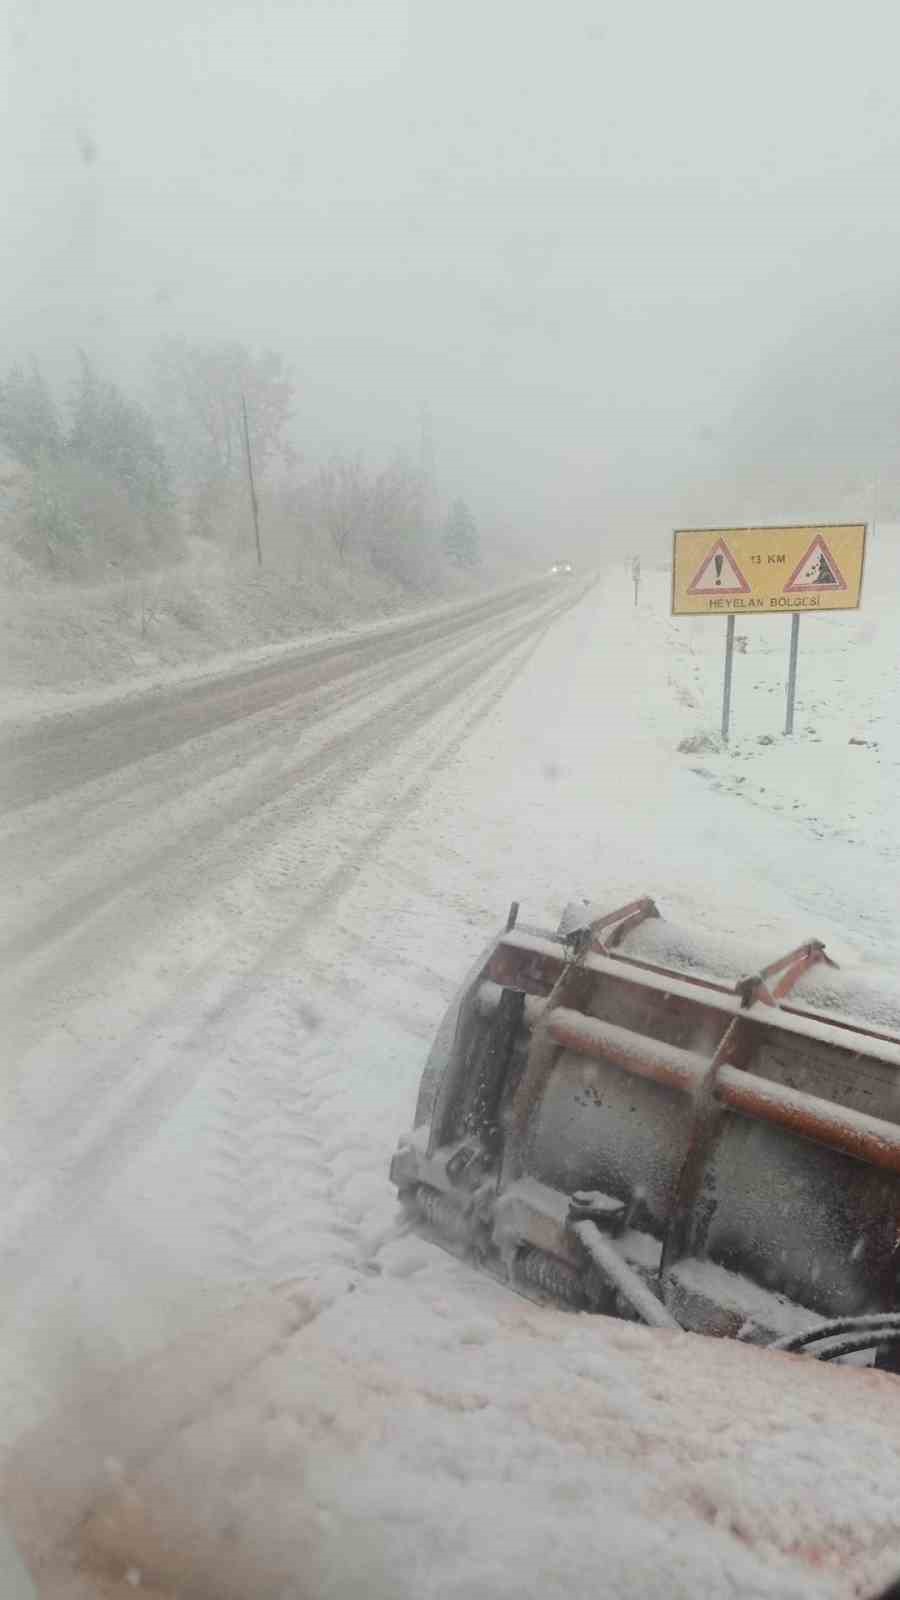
[(792, 673), (726, 688), (636, 576)]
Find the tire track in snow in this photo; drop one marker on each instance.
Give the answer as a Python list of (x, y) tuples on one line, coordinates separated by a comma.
[(274, 1168), (270, 1167)]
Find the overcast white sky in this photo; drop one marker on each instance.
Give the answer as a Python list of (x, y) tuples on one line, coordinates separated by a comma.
[(576, 230)]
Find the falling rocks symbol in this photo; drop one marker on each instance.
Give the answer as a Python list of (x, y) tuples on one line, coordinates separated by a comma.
[(817, 570), (823, 572)]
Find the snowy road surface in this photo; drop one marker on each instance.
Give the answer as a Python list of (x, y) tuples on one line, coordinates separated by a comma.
[(237, 911)]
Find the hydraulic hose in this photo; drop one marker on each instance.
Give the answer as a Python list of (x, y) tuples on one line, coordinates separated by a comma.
[(793, 1342), (850, 1344)]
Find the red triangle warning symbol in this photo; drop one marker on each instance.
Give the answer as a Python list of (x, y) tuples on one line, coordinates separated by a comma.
[(719, 573), (817, 571)]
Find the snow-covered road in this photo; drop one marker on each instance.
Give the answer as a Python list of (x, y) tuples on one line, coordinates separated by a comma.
[(238, 911), (166, 856)]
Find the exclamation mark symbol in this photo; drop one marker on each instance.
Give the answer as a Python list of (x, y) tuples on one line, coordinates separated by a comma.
[(718, 566)]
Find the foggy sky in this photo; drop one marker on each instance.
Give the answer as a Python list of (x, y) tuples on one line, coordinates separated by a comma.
[(578, 232)]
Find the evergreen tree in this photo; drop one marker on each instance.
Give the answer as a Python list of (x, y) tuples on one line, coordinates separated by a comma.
[(29, 424), (116, 436), (461, 540)]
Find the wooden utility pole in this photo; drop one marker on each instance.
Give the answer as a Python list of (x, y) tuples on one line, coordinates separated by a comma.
[(253, 500)]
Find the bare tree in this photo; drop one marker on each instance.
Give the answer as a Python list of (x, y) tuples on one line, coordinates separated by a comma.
[(342, 500), (199, 388), (402, 542)]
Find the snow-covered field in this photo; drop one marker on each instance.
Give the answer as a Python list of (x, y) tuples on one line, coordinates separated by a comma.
[(228, 1372)]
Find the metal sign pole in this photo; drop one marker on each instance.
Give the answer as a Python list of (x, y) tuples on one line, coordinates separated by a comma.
[(726, 690), (792, 672)]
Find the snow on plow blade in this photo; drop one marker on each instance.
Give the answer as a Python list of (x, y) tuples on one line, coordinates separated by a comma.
[(623, 1118)]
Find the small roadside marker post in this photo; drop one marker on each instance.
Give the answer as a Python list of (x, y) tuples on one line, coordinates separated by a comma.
[(636, 576), (726, 687)]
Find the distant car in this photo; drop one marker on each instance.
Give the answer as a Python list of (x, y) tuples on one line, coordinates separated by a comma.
[(562, 569)]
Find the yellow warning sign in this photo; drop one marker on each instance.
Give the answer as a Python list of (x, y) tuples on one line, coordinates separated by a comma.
[(816, 567)]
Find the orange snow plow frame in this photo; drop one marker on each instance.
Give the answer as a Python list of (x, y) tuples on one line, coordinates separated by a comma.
[(619, 1134)]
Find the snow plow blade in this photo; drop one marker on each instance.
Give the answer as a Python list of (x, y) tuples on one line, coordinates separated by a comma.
[(620, 1117)]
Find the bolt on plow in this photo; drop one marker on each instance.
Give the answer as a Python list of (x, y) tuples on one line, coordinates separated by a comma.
[(621, 1117)]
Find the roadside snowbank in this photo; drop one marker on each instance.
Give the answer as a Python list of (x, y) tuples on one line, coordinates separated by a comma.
[(66, 643), (25, 706)]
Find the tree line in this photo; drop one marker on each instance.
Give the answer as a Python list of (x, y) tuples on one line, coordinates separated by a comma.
[(109, 482)]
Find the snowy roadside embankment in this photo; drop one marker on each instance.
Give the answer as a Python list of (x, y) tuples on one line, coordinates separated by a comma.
[(67, 644)]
